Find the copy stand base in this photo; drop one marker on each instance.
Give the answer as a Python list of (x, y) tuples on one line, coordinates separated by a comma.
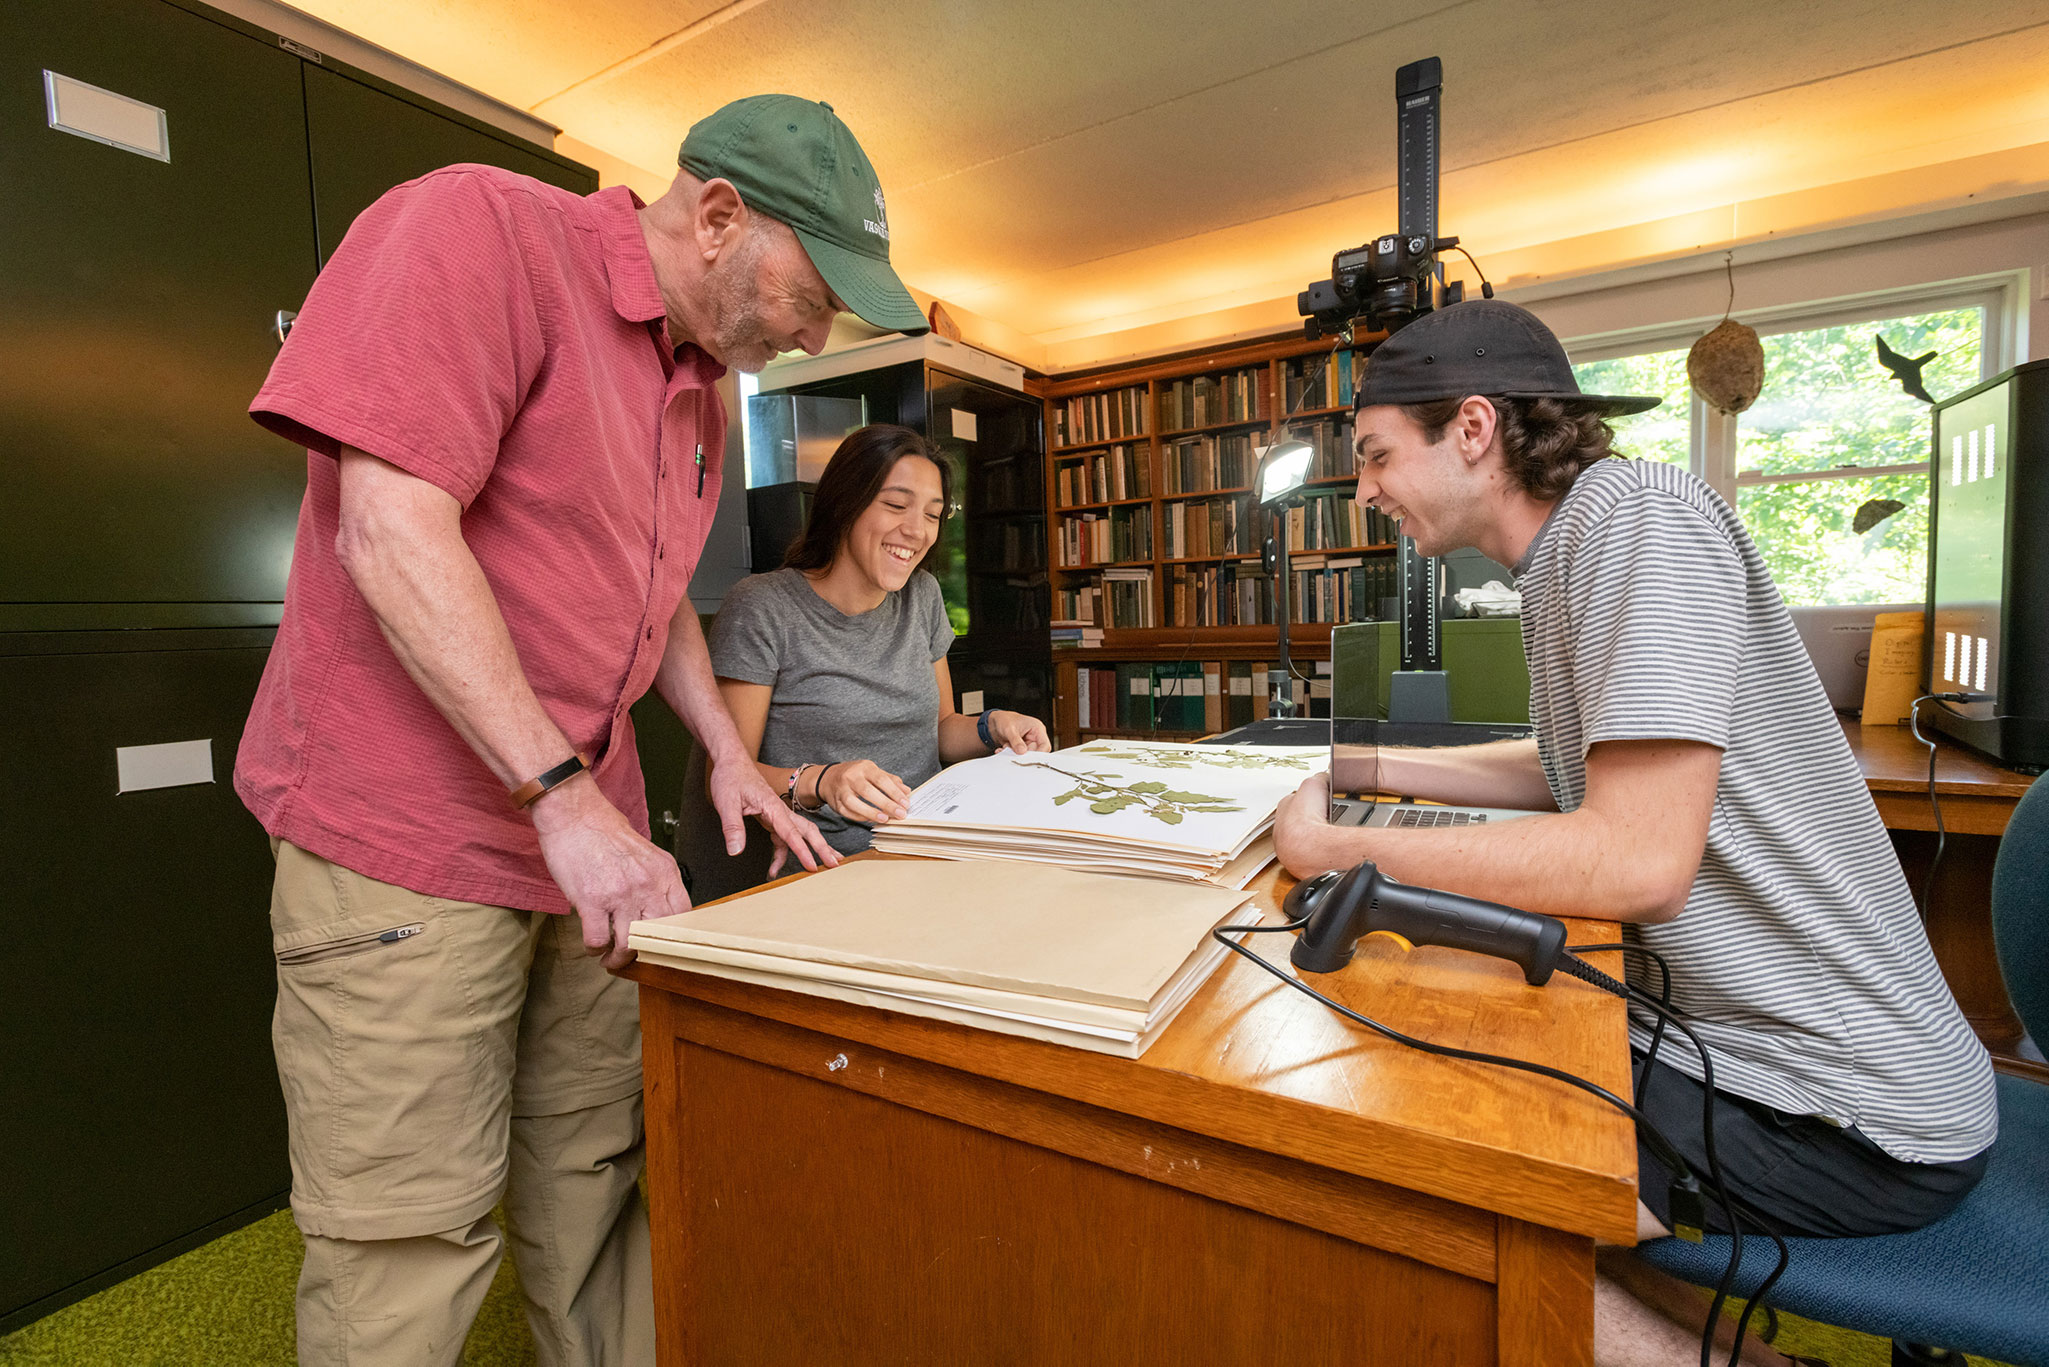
[(1419, 695)]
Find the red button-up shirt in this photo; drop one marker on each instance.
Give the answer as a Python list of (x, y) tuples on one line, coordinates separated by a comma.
[(505, 341)]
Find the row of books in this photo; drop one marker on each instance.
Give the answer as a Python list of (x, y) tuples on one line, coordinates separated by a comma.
[(1204, 399), (1117, 598), (1127, 598), (1106, 538), (1078, 604), (1223, 595), (1311, 382), (1344, 588), (1222, 526), (1101, 476), (1194, 465), (1192, 695), (1236, 593), (1076, 635), (1331, 439), (1201, 697), (1334, 520), (1320, 589), (1212, 526), (1109, 416)]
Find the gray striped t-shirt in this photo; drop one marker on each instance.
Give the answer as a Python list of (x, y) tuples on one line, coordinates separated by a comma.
[(1648, 614)]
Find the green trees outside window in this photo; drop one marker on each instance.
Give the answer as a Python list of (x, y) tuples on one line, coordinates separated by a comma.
[(1666, 432), (1829, 410), (1831, 431)]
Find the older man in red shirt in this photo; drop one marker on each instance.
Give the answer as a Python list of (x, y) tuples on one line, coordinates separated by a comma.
[(514, 448)]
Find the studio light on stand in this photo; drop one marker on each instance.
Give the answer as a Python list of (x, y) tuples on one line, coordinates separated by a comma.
[(1283, 470)]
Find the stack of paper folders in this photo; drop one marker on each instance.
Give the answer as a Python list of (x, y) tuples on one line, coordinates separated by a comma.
[(1150, 809), (1067, 957)]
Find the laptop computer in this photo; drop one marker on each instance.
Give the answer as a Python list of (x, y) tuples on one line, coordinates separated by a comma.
[(1838, 640), (1360, 696), (1355, 762)]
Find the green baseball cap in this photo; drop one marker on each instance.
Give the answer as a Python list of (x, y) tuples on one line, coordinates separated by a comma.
[(794, 161)]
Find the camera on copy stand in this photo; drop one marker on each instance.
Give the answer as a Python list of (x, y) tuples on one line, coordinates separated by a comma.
[(1374, 290)]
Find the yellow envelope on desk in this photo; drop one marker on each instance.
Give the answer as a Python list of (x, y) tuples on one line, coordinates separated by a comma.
[(1893, 679)]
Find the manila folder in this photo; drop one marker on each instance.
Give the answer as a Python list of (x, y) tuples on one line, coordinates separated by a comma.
[(1014, 927)]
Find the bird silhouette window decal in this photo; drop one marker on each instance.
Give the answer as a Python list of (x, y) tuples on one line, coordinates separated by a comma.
[(1907, 372)]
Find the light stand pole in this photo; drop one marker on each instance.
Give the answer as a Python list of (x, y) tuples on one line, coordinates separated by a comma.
[(1282, 471)]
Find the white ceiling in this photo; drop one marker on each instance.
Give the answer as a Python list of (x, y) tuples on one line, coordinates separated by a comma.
[(1069, 169)]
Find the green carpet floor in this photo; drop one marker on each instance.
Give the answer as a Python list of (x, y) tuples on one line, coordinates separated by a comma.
[(229, 1304)]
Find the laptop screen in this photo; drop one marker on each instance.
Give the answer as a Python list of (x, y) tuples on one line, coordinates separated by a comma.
[(1359, 725)]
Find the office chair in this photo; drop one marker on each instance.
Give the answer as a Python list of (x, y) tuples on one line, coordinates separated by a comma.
[(1977, 1280)]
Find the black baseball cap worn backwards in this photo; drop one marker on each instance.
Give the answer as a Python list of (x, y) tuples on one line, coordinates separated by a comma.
[(1488, 347), (794, 161)]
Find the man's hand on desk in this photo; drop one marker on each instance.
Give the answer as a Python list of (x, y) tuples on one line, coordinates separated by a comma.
[(607, 870), (738, 791)]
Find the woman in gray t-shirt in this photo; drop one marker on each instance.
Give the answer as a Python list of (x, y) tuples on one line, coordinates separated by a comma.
[(834, 667)]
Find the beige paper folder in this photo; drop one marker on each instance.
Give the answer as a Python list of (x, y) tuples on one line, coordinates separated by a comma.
[(1022, 928), (1893, 679), (1099, 962)]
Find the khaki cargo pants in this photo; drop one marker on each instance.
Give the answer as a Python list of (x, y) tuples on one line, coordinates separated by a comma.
[(436, 1058)]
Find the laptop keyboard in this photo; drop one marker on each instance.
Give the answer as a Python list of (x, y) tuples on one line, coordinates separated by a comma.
[(1436, 816)]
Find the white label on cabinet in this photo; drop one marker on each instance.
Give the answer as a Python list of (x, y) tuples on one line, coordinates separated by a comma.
[(971, 701), (172, 765), (963, 424), (102, 116)]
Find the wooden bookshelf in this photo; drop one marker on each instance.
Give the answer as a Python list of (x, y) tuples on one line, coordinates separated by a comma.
[(1243, 389)]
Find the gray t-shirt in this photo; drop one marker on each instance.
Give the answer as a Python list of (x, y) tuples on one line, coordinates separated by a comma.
[(1648, 614), (846, 688)]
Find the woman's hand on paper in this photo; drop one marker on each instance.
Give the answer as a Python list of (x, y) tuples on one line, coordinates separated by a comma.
[(862, 790), (1018, 733), (1302, 827)]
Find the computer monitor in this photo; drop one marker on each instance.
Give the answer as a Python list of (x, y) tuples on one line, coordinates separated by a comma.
[(1988, 567)]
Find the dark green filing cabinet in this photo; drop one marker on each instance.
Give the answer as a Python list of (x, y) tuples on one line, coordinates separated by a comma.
[(137, 299), (366, 140), (140, 302), (142, 1103)]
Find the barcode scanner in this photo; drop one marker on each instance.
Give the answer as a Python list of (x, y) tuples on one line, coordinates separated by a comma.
[(1344, 905)]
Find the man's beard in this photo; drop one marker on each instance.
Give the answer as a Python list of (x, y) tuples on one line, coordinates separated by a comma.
[(739, 335)]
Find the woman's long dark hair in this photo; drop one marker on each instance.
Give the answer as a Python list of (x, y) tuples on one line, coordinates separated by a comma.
[(852, 479)]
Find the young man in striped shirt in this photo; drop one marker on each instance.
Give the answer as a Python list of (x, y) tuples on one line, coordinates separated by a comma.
[(1704, 797)]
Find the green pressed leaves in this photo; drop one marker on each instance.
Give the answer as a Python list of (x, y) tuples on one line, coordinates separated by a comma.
[(1106, 796)]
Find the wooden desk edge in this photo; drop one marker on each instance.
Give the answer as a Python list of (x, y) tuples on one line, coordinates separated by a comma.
[(1556, 1195)]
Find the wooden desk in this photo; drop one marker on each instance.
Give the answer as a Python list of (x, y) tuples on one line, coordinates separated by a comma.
[(1977, 795), (1977, 798), (836, 1184)]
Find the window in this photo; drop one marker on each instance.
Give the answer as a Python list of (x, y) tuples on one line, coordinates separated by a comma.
[(1664, 433), (1831, 432)]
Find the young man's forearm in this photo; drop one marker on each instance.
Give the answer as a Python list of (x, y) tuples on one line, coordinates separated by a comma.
[(1559, 865), (1503, 774)]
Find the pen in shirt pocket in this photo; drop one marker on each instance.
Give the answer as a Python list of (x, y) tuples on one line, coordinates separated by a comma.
[(700, 469)]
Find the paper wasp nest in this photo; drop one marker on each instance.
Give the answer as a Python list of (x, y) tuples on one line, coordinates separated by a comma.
[(1727, 366)]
